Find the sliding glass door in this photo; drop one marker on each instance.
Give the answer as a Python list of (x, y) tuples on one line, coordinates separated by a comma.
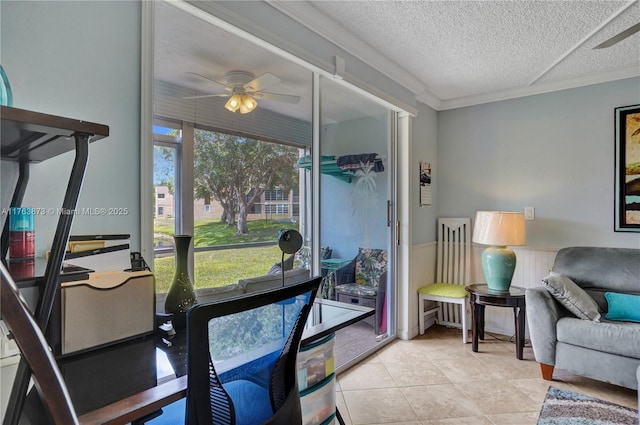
[(212, 178), (355, 209)]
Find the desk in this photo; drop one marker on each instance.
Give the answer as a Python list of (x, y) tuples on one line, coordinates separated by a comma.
[(144, 375), (481, 296)]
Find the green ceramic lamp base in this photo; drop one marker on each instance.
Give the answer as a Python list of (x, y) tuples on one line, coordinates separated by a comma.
[(498, 264)]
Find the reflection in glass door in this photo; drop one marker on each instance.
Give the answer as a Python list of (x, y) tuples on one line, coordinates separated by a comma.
[(355, 222)]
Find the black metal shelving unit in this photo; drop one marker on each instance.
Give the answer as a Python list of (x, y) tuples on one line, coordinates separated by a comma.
[(29, 137)]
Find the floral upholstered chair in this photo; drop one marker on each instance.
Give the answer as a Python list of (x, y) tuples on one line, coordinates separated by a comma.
[(303, 256), (364, 282)]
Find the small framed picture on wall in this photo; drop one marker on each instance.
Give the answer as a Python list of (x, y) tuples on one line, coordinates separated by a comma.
[(627, 169), (425, 184)]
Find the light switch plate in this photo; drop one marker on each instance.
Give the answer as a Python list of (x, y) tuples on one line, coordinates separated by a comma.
[(529, 213)]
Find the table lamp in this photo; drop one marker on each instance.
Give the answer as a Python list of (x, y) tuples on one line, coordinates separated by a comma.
[(499, 229)]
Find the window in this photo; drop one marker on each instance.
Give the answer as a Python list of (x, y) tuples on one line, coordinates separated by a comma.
[(166, 167), (276, 195), (220, 167)]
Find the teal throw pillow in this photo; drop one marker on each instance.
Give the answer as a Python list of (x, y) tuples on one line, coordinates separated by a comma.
[(623, 307)]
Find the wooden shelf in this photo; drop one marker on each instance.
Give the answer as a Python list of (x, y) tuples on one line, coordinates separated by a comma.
[(29, 136)]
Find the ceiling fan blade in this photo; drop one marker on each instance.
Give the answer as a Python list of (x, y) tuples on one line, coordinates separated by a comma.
[(621, 36), (210, 81), (277, 97), (261, 82), (202, 96)]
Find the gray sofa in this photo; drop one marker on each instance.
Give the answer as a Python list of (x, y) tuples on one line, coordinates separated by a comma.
[(259, 283), (600, 349)]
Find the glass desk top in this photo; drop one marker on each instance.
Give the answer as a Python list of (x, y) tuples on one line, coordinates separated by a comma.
[(110, 374)]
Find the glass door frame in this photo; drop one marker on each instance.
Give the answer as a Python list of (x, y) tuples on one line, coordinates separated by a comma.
[(398, 137)]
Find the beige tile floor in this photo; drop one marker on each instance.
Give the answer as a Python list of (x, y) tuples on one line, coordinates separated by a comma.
[(435, 379)]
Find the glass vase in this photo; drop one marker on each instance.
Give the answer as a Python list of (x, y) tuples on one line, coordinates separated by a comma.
[(181, 295), (6, 97)]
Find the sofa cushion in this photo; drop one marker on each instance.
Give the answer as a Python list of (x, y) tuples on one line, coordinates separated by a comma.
[(571, 296), (262, 283), (598, 268), (623, 307), (275, 269), (212, 294), (355, 289), (621, 338)]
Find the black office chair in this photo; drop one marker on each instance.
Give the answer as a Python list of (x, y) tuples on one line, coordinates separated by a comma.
[(242, 359), (35, 350)]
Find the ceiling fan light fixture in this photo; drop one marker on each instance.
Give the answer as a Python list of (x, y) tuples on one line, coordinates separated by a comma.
[(234, 103), (247, 104)]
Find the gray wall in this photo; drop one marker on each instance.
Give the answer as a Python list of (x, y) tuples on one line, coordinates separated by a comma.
[(79, 60), (552, 151), (424, 147)]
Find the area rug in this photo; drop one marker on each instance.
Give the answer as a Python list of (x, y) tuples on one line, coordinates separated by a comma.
[(563, 407)]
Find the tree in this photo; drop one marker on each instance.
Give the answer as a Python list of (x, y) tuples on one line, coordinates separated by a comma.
[(213, 171), (164, 167), (236, 171)]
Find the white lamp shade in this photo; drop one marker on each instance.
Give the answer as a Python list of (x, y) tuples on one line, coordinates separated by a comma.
[(499, 228)]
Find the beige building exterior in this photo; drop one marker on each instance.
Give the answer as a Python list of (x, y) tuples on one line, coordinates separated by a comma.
[(274, 204)]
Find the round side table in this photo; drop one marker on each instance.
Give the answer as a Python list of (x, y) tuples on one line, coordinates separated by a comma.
[(481, 296)]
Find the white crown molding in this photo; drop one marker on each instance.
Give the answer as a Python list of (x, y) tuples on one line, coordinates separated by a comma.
[(429, 99), (540, 88), (311, 18)]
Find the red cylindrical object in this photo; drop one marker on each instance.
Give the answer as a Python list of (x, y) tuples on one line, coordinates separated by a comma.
[(22, 269), (22, 244), (22, 235)]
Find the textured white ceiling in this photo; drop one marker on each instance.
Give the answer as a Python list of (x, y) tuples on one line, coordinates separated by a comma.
[(450, 53), (460, 49)]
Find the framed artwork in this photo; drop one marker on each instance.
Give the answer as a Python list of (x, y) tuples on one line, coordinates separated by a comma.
[(627, 169), (425, 184)]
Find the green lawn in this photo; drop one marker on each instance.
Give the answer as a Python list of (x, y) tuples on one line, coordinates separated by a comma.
[(221, 267), (212, 232)]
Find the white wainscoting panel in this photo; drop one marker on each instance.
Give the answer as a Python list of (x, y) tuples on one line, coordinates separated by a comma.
[(532, 264), (423, 263)]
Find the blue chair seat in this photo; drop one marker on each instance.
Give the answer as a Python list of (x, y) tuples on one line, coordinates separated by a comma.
[(251, 403)]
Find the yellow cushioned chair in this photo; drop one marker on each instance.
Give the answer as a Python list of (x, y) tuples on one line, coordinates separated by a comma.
[(452, 274)]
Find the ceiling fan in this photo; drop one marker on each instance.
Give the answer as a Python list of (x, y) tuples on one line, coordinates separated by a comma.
[(243, 88), (619, 37)]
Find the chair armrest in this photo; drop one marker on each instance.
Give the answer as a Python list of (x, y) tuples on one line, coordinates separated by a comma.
[(346, 274), (543, 313)]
